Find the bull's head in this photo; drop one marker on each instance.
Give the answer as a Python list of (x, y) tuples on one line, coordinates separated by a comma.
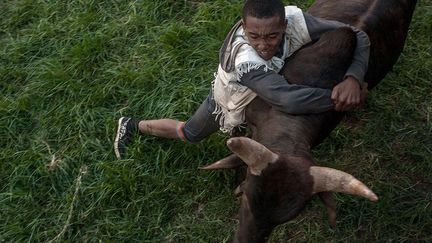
[(277, 187)]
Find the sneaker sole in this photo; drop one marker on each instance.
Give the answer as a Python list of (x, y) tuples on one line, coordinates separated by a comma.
[(116, 150)]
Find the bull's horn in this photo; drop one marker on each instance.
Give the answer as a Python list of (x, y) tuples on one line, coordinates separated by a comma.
[(254, 154), (328, 179), (230, 162)]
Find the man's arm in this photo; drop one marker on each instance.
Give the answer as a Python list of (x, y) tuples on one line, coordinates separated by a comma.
[(346, 94), (288, 98), (317, 27)]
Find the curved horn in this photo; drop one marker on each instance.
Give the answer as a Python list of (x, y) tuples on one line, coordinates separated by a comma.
[(328, 179), (254, 154), (229, 162)]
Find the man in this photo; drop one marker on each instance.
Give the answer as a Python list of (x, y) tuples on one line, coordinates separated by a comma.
[(251, 57)]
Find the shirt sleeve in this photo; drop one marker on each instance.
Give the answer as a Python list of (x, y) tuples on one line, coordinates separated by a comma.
[(289, 98), (317, 27)]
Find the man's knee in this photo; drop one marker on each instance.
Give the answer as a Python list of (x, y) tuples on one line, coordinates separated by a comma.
[(202, 124), (191, 137)]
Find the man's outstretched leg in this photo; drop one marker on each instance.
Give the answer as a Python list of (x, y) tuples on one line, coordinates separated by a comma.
[(198, 127), (129, 127)]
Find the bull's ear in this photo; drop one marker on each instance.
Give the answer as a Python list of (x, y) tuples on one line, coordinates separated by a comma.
[(328, 179), (230, 162), (254, 154)]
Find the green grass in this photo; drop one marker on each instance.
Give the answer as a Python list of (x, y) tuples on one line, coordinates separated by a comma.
[(68, 70)]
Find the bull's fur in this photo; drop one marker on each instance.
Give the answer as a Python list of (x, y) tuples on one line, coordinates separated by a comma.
[(284, 187), (385, 21)]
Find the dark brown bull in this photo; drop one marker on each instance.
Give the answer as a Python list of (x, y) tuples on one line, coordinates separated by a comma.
[(282, 176)]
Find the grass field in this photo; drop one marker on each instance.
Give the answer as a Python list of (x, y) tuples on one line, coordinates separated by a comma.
[(70, 69)]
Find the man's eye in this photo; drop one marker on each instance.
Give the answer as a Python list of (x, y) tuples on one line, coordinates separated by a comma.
[(273, 36), (254, 37)]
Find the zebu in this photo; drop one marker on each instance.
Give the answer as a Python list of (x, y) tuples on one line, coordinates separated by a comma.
[(282, 176)]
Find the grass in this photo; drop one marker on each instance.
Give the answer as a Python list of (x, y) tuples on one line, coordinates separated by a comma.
[(68, 70)]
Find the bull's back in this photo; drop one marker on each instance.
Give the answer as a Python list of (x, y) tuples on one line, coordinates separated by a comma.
[(385, 21)]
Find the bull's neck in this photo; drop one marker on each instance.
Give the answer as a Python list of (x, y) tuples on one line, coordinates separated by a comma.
[(290, 146), (286, 142)]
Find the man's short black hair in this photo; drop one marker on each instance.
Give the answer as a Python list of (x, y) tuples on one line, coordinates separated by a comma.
[(262, 9)]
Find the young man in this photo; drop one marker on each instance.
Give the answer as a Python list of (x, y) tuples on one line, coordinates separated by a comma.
[(251, 57)]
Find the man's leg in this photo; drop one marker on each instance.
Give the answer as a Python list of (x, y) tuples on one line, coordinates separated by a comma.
[(129, 127), (198, 127), (165, 128)]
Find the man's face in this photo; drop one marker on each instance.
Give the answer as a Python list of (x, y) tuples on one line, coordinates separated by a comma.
[(265, 35)]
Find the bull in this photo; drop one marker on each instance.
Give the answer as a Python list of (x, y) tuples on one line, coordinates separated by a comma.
[(282, 176)]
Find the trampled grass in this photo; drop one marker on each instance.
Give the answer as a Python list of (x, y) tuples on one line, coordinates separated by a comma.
[(69, 70)]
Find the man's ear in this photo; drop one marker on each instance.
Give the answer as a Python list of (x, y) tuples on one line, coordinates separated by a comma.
[(285, 23)]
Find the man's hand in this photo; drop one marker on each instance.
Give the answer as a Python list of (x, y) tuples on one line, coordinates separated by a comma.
[(348, 94)]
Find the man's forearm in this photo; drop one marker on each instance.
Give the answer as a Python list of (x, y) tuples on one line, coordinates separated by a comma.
[(288, 98)]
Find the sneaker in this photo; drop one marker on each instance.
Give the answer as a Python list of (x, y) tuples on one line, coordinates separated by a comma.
[(127, 127)]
